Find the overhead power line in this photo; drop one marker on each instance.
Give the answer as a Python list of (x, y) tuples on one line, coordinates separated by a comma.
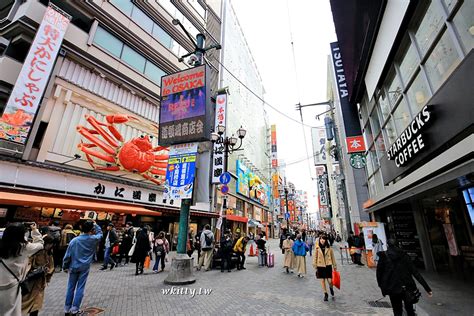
[(260, 98)]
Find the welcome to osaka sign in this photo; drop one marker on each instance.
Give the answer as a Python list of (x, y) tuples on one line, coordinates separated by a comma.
[(185, 113)]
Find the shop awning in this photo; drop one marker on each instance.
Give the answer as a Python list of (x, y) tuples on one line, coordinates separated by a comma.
[(236, 218), (254, 223), (35, 199)]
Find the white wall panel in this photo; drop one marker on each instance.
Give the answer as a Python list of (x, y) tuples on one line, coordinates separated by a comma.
[(88, 80)]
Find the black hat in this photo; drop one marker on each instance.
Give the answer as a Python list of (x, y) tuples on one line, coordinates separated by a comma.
[(110, 224)]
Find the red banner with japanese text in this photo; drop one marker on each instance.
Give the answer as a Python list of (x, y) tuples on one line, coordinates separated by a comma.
[(21, 108)]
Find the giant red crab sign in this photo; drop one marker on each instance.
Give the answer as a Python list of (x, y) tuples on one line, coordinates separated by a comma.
[(136, 155)]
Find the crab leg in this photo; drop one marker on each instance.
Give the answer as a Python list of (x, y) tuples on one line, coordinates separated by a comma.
[(161, 158), (97, 125), (158, 171), (86, 148), (151, 179), (160, 164), (118, 118), (84, 132), (160, 148)]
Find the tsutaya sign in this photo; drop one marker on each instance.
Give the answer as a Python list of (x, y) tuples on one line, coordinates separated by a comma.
[(17, 119), (411, 141)]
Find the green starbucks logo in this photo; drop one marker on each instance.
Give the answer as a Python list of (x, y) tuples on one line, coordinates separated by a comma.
[(358, 161)]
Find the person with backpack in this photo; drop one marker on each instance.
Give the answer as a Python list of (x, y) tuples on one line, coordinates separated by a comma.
[(262, 252), (377, 246), (15, 252), (299, 249), (54, 231), (207, 247), (395, 272), (161, 248), (66, 236), (226, 251)]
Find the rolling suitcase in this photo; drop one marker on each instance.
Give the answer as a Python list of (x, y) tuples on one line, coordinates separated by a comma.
[(271, 259)]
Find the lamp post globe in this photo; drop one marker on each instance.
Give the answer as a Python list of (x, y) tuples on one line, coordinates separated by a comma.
[(241, 132)]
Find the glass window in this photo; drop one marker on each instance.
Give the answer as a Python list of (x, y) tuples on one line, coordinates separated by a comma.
[(370, 160), (390, 131), (384, 106), (139, 17), (198, 7), (442, 61), (133, 58), (154, 72), (126, 6), (401, 116), (418, 94), (394, 87), (380, 146), (363, 111), (368, 135), (379, 186), (464, 22), (108, 42), (162, 36), (5, 8), (374, 121), (429, 27), (409, 62), (372, 189)]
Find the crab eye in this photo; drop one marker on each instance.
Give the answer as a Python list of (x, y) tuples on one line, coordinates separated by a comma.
[(151, 137), (141, 136)]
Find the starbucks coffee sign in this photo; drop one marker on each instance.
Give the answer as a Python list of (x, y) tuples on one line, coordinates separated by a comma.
[(411, 141)]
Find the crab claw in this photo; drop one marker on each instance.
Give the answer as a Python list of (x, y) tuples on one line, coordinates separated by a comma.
[(119, 118)]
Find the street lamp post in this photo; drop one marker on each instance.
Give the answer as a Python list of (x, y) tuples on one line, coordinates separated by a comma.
[(226, 145)]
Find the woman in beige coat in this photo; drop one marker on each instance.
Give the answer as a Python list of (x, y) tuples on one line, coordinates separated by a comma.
[(289, 255), (324, 262), (32, 302)]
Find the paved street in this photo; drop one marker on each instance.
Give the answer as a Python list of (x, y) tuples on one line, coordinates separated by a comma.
[(255, 291)]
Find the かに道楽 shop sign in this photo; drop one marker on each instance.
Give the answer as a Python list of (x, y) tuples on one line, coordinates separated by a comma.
[(184, 114), (21, 108)]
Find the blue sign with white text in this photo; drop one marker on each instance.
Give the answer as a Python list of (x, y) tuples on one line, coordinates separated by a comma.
[(180, 171)]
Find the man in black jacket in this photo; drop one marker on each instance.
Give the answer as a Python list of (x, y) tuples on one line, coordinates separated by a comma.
[(394, 277), (127, 241), (226, 251), (110, 241)]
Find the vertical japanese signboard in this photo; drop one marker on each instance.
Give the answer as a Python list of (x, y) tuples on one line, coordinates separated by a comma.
[(274, 147), (184, 113), (218, 161), (21, 108), (180, 171), (321, 156), (322, 191)]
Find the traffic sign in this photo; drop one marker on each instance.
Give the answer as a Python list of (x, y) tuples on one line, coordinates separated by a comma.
[(224, 178), (225, 189)]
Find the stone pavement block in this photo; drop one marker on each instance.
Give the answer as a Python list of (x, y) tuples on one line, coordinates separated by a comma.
[(255, 291)]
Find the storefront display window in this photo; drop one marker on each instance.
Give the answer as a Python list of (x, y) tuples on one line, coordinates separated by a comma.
[(464, 22), (409, 63), (418, 94), (401, 116), (430, 26), (442, 61)]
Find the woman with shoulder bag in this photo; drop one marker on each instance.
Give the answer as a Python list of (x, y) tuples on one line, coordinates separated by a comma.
[(324, 262), (15, 252), (395, 272), (160, 247), (32, 302)]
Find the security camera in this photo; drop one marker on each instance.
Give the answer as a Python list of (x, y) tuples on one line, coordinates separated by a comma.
[(192, 59)]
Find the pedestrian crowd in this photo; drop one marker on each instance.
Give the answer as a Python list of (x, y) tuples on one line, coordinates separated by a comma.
[(29, 256)]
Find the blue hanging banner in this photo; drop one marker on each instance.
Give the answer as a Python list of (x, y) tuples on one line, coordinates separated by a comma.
[(180, 172)]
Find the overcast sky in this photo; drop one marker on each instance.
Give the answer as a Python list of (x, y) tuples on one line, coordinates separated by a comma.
[(266, 25)]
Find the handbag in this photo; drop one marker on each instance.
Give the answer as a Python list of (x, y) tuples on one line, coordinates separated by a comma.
[(411, 296), (115, 250), (26, 285), (336, 279)]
